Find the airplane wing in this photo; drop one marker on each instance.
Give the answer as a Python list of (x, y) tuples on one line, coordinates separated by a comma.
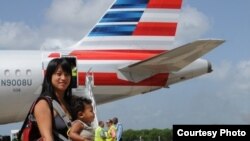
[(169, 61)]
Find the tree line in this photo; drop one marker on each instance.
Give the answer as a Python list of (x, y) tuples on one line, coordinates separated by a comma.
[(148, 135)]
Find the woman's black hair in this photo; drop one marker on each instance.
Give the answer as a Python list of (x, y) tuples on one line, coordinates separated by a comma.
[(78, 104), (47, 87)]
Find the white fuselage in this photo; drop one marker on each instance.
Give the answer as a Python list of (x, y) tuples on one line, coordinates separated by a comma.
[(21, 76)]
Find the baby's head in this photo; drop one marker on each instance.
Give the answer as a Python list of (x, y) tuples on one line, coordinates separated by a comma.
[(82, 109)]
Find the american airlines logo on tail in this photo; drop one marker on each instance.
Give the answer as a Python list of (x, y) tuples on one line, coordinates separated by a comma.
[(139, 18), (130, 24)]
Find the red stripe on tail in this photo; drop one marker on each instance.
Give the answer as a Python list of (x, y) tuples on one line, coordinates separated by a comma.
[(155, 29), (171, 4)]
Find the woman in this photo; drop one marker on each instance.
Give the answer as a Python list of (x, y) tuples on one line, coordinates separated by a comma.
[(57, 86), (111, 135)]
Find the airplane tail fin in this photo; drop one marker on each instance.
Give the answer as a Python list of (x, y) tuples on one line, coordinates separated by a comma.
[(134, 24)]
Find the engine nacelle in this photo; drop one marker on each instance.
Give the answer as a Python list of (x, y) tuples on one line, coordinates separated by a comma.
[(195, 69)]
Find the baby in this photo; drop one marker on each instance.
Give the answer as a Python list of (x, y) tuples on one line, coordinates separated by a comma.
[(83, 115)]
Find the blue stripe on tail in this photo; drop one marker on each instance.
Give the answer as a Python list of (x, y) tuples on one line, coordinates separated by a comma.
[(122, 16), (112, 30), (130, 4)]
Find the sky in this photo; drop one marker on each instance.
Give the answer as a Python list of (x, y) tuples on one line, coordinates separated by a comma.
[(221, 97)]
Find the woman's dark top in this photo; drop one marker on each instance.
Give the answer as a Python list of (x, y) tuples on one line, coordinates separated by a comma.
[(60, 126)]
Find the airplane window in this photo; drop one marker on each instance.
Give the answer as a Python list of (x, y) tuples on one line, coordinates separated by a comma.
[(28, 72), (18, 72), (7, 72)]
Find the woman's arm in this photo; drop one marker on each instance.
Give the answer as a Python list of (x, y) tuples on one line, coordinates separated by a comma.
[(43, 117), (113, 134)]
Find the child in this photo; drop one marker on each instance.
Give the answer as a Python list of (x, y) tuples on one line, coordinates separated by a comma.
[(83, 115)]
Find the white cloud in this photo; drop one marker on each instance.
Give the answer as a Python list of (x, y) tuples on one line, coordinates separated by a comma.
[(77, 12), (242, 76), (221, 72), (66, 12), (235, 76), (55, 44), (67, 21), (244, 68), (17, 36), (192, 25), (75, 18)]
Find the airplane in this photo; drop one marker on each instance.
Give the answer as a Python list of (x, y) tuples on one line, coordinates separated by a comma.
[(128, 52)]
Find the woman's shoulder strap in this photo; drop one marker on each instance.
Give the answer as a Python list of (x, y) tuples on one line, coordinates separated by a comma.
[(61, 113)]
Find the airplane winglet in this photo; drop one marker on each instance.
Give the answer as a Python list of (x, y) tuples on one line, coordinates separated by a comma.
[(169, 61)]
